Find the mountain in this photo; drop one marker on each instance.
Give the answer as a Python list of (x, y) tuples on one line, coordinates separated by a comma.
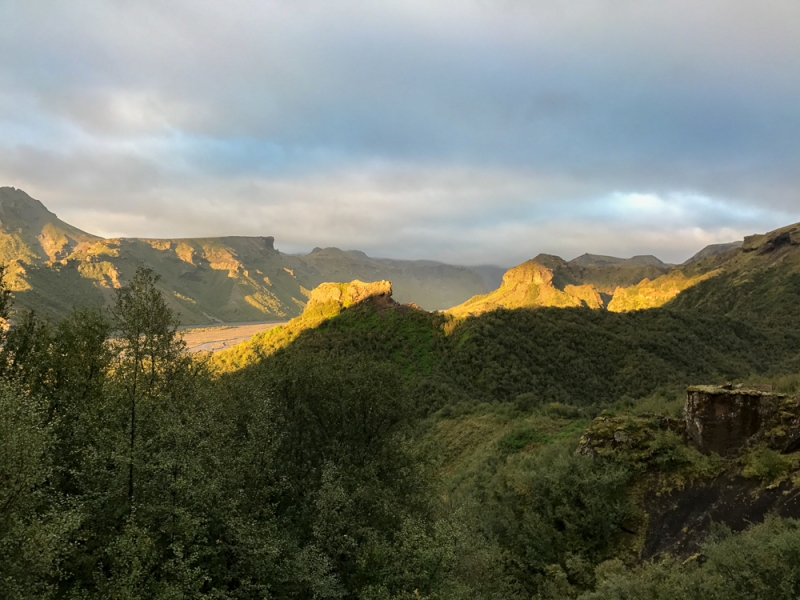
[(713, 250), (325, 301), (757, 282), (548, 280), (757, 279), (492, 275), (527, 285), (53, 267), (597, 260), (368, 449), (429, 284)]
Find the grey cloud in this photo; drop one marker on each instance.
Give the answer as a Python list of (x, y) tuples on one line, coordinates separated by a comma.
[(447, 129)]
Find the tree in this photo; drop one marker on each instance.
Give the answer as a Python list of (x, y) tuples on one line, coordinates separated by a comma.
[(148, 356), (33, 531)]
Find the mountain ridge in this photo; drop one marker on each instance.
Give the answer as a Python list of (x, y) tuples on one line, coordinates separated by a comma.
[(53, 267), (756, 266)]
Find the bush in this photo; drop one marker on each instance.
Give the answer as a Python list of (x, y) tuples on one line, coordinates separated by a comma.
[(767, 464)]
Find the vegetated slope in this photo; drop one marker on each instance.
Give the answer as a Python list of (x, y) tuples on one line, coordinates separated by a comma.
[(54, 267), (503, 398), (572, 356), (31, 234), (386, 453), (325, 302), (584, 357), (712, 250), (758, 282)]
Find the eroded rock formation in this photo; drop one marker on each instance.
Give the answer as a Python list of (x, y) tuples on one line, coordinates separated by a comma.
[(346, 294), (724, 419)]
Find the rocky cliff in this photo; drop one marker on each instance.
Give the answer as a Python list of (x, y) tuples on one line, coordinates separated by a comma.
[(530, 284), (325, 302), (727, 419)]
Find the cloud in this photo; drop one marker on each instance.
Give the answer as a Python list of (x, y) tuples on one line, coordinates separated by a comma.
[(466, 131)]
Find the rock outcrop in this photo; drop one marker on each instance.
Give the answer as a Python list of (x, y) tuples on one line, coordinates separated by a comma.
[(347, 294), (726, 419), (769, 242), (633, 435), (681, 520), (325, 301), (528, 285)]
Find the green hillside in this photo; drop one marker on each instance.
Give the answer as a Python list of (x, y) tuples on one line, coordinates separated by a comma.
[(54, 267), (502, 400), (758, 282), (372, 450)]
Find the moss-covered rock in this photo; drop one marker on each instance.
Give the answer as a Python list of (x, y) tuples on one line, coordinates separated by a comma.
[(725, 419)]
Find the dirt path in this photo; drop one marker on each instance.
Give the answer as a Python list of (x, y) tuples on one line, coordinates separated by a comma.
[(212, 339)]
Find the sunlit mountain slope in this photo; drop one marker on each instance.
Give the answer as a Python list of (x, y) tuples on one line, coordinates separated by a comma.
[(759, 276), (54, 267)]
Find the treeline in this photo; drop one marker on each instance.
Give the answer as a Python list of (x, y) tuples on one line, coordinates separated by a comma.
[(129, 469)]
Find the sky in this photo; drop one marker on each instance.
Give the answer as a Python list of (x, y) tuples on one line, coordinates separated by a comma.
[(469, 131)]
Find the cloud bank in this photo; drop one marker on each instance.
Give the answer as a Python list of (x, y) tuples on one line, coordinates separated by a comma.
[(468, 131)]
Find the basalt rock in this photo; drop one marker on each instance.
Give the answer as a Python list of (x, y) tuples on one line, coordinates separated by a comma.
[(726, 419), (680, 521)]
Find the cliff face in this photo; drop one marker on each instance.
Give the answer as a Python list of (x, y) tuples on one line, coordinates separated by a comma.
[(739, 426), (530, 284), (592, 281), (726, 419)]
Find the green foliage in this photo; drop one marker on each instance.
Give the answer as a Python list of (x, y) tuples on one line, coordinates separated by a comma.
[(34, 526), (558, 513), (353, 492), (764, 463), (763, 563), (577, 356), (519, 439), (374, 452), (765, 296)]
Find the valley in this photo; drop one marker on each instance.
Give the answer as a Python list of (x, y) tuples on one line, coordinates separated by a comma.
[(54, 267), (590, 429), (220, 337)]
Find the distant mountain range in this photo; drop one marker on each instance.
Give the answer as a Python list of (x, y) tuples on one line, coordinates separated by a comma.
[(757, 278), (54, 266)]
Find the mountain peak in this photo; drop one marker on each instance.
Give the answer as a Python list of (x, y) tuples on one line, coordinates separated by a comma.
[(37, 235), (600, 260), (595, 260), (347, 294), (712, 250)]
